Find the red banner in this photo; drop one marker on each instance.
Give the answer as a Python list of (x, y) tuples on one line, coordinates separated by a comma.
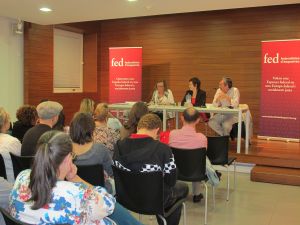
[(280, 89), (125, 74)]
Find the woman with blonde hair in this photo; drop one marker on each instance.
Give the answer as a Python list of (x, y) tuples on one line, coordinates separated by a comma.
[(87, 105), (102, 133)]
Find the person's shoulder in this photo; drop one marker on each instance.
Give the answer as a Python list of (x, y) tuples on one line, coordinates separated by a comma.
[(8, 139), (23, 176), (162, 146), (175, 132), (100, 148), (235, 89), (201, 136), (202, 91)]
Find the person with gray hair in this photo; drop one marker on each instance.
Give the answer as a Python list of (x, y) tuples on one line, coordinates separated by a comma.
[(48, 112), (8, 144), (226, 96)]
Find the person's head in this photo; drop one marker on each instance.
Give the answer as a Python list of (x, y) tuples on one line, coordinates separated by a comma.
[(194, 83), (27, 115), (161, 86), (101, 112), (149, 124), (225, 84), (53, 159), (190, 116), (137, 111), (4, 120), (48, 112), (87, 106), (82, 128), (60, 124)]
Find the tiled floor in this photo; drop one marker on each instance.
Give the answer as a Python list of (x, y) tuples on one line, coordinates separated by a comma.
[(250, 204)]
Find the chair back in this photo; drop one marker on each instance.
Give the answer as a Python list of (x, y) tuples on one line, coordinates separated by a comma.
[(140, 192), (20, 163), (2, 168), (217, 149), (190, 163), (9, 220), (92, 174)]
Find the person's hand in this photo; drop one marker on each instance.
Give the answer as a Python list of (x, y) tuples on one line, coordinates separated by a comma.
[(72, 173), (222, 96)]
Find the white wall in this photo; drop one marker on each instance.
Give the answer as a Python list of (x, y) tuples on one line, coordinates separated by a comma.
[(11, 67)]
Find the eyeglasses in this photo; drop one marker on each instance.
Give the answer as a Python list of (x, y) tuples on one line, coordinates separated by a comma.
[(73, 155)]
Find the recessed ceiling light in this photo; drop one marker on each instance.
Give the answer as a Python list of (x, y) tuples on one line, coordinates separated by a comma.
[(45, 9), (132, 0)]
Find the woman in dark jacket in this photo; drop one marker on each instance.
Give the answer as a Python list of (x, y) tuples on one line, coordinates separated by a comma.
[(196, 97), (27, 117), (195, 94)]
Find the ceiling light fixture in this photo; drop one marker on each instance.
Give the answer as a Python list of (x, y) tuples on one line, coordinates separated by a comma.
[(131, 0), (45, 9)]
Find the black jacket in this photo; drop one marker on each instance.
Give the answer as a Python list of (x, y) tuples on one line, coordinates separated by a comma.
[(200, 97), (146, 155)]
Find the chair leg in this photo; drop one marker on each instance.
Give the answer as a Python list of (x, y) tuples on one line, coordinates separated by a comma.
[(214, 196), (227, 198), (205, 215), (184, 213), (163, 219), (234, 175)]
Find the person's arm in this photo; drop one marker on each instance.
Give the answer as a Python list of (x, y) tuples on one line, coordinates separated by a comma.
[(203, 98), (184, 100), (216, 101), (5, 189), (169, 170), (106, 160), (235, 100), (15, 147), (152, 102), (170, 98)]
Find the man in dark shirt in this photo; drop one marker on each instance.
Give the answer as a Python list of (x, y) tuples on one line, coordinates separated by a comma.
[(48, 112), (141, 152)]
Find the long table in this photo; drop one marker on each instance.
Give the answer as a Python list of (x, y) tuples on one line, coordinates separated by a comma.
[(243, 108)]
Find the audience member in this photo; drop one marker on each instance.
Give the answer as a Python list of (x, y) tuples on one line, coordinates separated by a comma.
[(226, 96), (27, 118), (188, 138), (87, 152), (104, 134), (137, 111), (48, 112), (60, 124), (52, 192), (162, 96), (5, 188), (87, 105), (141, 152), (7, 144)]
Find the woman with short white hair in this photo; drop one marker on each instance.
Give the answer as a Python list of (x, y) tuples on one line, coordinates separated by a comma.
[(8, 144)]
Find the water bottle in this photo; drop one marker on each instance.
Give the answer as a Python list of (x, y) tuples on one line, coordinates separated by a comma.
[(188, 98)]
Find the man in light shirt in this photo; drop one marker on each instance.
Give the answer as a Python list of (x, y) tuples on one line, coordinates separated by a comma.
[(226, 96)]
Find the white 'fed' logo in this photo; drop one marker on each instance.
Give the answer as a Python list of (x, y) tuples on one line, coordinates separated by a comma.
[(117, 63), (270, 59)]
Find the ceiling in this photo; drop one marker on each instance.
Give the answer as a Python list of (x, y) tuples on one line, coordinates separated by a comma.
[(66, 11)]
